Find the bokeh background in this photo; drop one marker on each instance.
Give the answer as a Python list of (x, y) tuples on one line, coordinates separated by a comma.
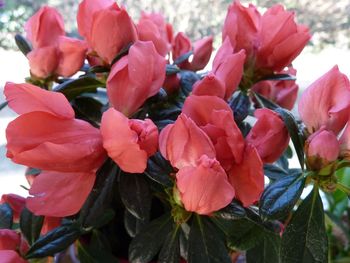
[(328, 20)]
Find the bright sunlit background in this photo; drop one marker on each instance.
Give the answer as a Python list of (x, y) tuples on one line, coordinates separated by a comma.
[(329, 22)]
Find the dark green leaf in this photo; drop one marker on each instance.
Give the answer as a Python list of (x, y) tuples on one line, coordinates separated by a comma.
[(55, 241), (279, 198), (266, 251), (135, 194), (30, 225), (23, 45), (94, 211), (305, 238), (183, 58), (206, 243), (88, 109), (6, 216), (99, 69), (170, 252), (122, 53), (3, 105), (278, 77), (188, 78), (132, 224), (264, 102), (145, 245), (231, 212), (33, 171), (172, 69), (159, 169), (293, 130), (274, 172), (74, 87), (240, 105)]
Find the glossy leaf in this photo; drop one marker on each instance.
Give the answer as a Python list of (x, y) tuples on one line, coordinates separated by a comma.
[(240, 104), (278, 77), (266, 251), (23, 45), (55, 241), (188, 78), (183, 57), (133, 225), (231, 212), (30, 225), (74, 87), (135, 194), (265, 102), (293, 130), (100, 197), (274, 172), (170, 252), (305, 239), (6, 216), (279, 198), (87, 108), (206, 243), (158, 169), (145, 246)]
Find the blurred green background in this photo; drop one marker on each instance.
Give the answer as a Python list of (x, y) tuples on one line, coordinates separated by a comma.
[(328, 20)]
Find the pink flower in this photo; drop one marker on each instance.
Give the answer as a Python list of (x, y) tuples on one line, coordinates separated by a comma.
[(269, 135), (106, 27), (135, 78), (282, 92), (210, 85), (271, 41), (58, 194), (202, 50), (128, 142), (152, 27), (16, 203), (198, 186), (12, 246), (45, 27), (183, 143), (326, 102), (322, 148), (281, 39), (242, 25), (59, 142), (247, 177), (53, 53)]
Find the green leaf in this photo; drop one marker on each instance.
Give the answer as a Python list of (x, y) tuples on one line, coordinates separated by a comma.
[(30, 225), (6, 216), (240, 104), (23, 45), (3, 105), (145, 245), (158, 169), (305, 238), (188, 78), (88, 109), (123, 52), (206, 243), (55, 241), (170, 252), (265, 102), (231, 212), (274, 172), (98, 250), (172, 69), (279, 198), (293, 130), (74, 87), (132, 224), (183, 58), (266, 251), (278, 77), (135, 194), (33, 171), (93, 213)]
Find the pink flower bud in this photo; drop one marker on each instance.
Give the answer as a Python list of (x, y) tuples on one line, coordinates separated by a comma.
[(210, 85), (43, 61), (326, 102), (322, 148), (72, 54), (128, 142), (198, 186), (136, 77), (269, 135), (45, 27)]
